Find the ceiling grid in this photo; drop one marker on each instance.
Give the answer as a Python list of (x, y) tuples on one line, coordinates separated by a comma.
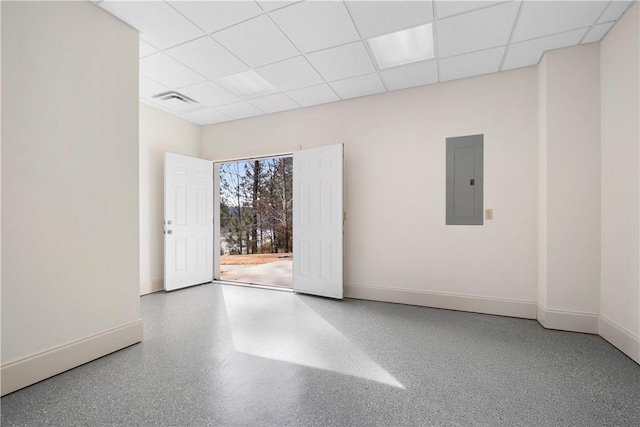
[(296, 54)]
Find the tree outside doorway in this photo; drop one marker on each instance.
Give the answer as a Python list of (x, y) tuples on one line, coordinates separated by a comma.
[(256, 221)]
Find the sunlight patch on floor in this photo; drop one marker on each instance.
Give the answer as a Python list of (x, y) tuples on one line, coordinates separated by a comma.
[(279, 326)]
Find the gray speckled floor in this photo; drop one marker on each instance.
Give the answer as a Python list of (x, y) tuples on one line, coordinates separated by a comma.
[(227, 355)]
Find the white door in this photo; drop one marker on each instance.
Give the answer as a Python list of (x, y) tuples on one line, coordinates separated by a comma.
[(318, 221), (188, 221)]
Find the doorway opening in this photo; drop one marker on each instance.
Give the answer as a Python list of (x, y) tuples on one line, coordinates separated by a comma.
[(253, 230)]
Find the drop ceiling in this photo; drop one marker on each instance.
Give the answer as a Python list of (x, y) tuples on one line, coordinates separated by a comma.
[(306, 53)]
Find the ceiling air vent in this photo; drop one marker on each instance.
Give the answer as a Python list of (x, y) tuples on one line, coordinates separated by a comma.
[(176, 101)]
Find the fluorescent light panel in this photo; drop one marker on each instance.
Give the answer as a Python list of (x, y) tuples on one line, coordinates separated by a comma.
[(247, 84), (403, 47)]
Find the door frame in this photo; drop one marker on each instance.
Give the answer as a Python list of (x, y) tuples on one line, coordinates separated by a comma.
[(216, 215)]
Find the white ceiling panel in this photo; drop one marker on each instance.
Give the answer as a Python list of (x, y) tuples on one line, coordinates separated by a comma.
[(543, 18), (215, 15), (314, 95), (209, 94), (316, 25), (206, 117), (450, 8), (146, 49), (482, 29), (240, 110), (358, 86), (529, 53), (471, 64), (597, 32), (416, 74), (158, 23), (207, 57), (166, 70), (342, 62), (291, 74), (375, 18), (614, 11), (149, 87), (275, 103), (257, 42), (273, 5), (157, 106)]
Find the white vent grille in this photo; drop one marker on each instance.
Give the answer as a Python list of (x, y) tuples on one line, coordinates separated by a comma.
[(176, 101)]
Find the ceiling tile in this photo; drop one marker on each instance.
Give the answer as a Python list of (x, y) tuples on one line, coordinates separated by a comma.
[(314, 95), (529, 53), (172, 106), (257, 42), (273, 5), (149, 87), (146, 49), (215, 15), (158, 23), (209, 94), (206, 117), (275, 103), (374, 18), (358, 86), (240, 110), (342, 61), (166, 70), (316, 25), (543, 18), (207, 57), (416, 74), (597, 32), (477, 30), (471, 64), (614, 10), (449, 8), (157, 106), (290, 74)]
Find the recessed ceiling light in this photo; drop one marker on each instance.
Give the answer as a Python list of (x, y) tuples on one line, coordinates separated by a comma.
[(403, 47), (247, 84)]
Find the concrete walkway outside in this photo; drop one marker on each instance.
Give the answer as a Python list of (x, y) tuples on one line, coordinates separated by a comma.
[(277, 273)]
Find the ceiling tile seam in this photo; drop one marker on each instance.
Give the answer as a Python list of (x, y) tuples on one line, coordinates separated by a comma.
[(587, 27), (596, 22), (476, 10), (513, 31), (367, 47), (280, 92), (280, 7), (206, 34), (304, 55), (434, 31)]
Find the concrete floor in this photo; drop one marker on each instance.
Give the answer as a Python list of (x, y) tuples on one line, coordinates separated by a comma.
[(228, 355)]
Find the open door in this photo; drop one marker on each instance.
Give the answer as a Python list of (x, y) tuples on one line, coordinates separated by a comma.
[(318, 221), (188, 221)]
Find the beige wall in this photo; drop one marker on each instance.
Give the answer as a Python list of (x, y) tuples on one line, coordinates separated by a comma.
[(159, 133), (396, 239), (569, 168), (70, 233), (620, 71)]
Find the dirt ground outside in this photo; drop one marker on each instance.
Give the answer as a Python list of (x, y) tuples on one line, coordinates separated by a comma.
[(253, 259), (260, 269)]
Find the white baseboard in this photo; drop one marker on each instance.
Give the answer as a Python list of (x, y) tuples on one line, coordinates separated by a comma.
[(29, 370), (502, 307), (568, 321), (619, 337), (151, 286)]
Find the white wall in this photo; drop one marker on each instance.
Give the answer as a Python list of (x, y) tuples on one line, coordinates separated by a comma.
[(70, 232), (620, 292), (159, 133), (397, 246), (569, 168)]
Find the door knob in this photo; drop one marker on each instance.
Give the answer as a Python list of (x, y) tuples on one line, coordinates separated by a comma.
[(169, 222), (169, 231)]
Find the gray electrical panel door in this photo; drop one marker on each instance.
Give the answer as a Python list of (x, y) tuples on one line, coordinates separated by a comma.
[(465, 180)]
